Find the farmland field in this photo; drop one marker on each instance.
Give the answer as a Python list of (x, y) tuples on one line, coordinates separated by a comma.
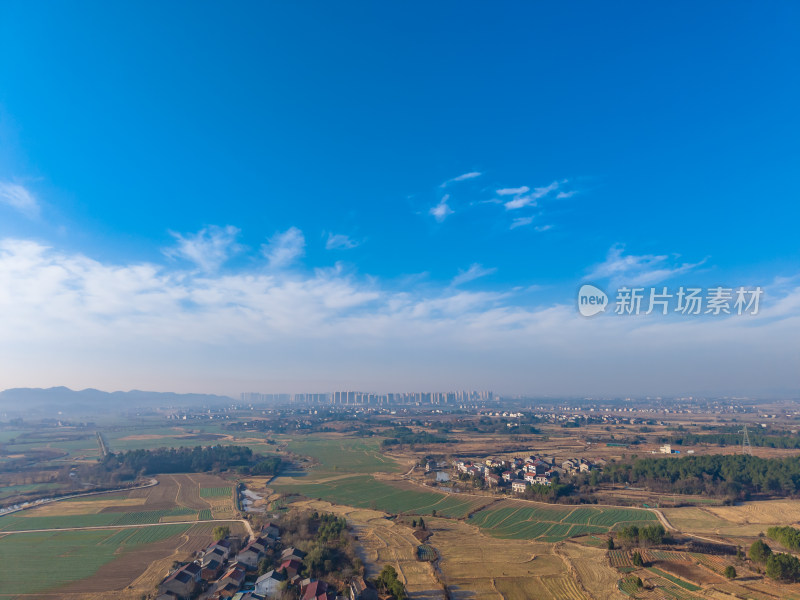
[(69, 555), (86, 561), (346, 455), (215, 492), (362, 491), (516, 519)]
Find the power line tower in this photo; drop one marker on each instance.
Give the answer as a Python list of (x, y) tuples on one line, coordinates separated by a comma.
[(746, 448)]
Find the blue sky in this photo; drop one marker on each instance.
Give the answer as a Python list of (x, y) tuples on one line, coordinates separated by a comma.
[(287, 196)]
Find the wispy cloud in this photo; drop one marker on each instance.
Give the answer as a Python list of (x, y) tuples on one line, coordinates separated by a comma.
[(441, 211), (19, 198), (284, 247), (209, 248), (463, 177), (526, 197), (340, 241), (563, 195), (513, 191), (521, 222), (642, 269), (474, 272), (190, 330)]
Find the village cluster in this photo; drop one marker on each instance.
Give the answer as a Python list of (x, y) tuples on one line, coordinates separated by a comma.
[(518, 474), (224, 570)]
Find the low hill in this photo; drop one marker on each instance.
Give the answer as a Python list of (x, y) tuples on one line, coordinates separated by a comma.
[(88, 401)]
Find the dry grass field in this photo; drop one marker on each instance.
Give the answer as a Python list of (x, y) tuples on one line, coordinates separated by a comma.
[(742, 521), (591, 568), (474, 565)]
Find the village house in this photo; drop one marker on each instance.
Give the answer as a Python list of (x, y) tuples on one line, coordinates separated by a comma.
[(252, 553), (292, 553), (316, 590), (518, 486), (234, 575), (183, 582), (493, 479), (362, 590), (211, 569), (509, 475), (292, 569), (269, 584)]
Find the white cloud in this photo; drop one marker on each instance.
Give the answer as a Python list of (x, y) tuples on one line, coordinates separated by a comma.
[(643, 269), (284, 248), (521, 222), (70, 319), (542, 228), (463, 177), (563, 195), (340, 241), (19, 198), (441, 211), (474, 272), (513, 191), (209, 248), (523, 198)]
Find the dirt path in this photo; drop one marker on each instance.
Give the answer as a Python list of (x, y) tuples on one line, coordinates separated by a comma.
[(245, 522)]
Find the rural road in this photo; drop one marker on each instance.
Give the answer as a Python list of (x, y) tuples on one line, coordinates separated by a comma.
[(245, 522)]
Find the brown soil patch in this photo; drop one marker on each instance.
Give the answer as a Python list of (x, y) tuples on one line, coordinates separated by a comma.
[(690, 572)]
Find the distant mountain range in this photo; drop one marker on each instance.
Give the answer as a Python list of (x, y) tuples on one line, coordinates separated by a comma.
[(88, 401)]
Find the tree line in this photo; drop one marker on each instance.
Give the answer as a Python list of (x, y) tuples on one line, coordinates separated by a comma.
[(733, 476), (199, 459)]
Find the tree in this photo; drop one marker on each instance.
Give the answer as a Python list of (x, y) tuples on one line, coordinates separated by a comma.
[(221, 532), (422, 524), (263, 566), (414, 523), (637, 559), (730, 572), (783, 567), (759, 552), (610, 543)]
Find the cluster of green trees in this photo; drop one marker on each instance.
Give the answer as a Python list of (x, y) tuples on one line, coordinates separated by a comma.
[(178, 460), (329, 546), (732, 437), (388, 582), (406, 435), (270, 465), (649, 535), (735, 476), (788, 536), (331, 528), (780, 566), (125, 466)]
